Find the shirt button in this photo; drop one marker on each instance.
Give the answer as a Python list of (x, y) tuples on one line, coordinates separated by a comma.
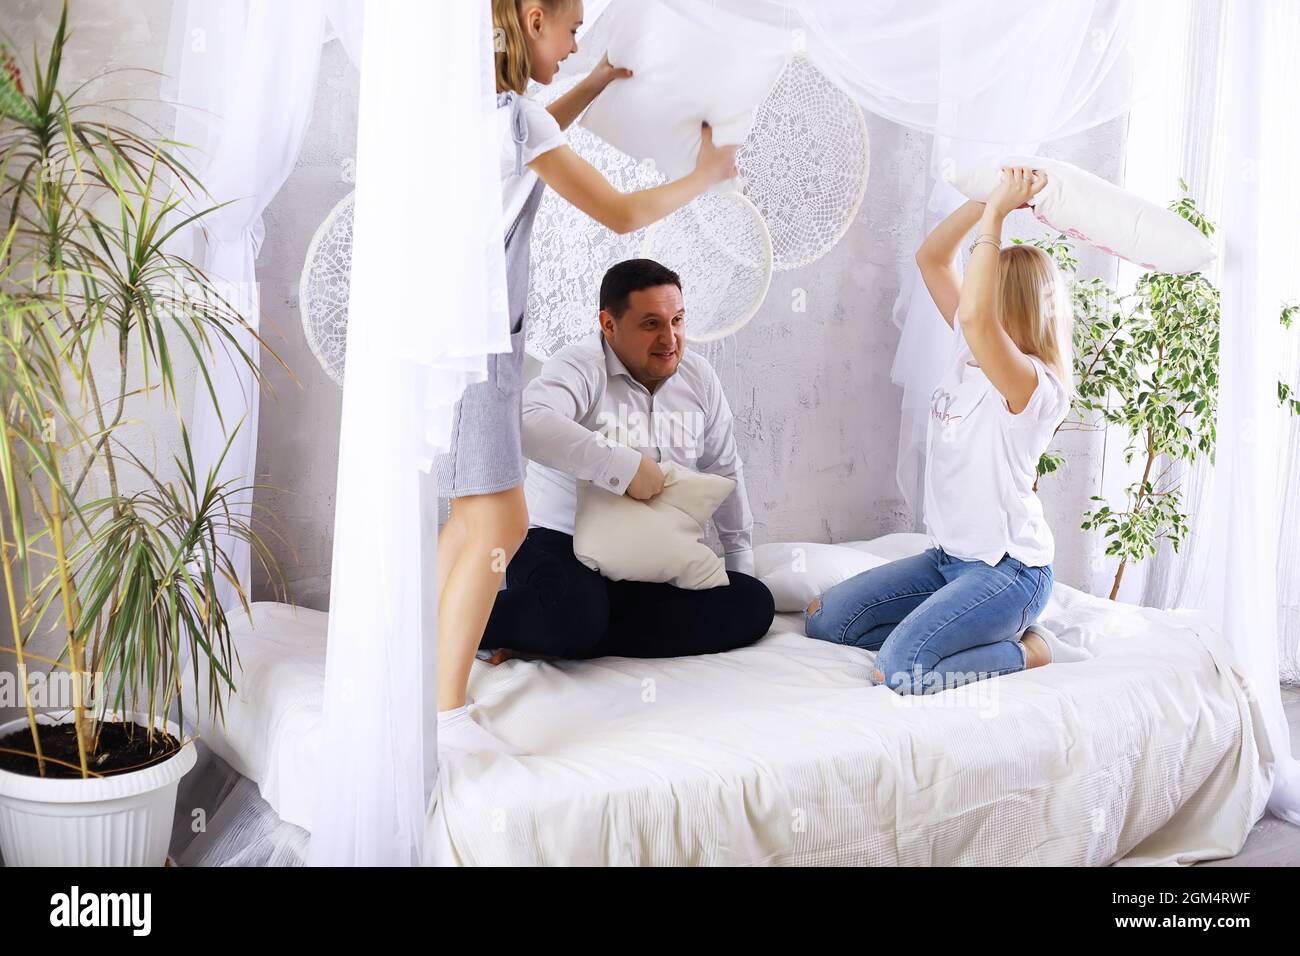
[(614, 482)]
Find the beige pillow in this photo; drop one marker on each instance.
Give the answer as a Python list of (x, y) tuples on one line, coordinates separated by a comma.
[(659, 540)]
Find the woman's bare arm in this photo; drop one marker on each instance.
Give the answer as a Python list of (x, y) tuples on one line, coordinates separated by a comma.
[(936, 255), (1008, 368)]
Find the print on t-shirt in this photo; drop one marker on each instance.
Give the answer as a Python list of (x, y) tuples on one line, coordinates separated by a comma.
[(947, 408)]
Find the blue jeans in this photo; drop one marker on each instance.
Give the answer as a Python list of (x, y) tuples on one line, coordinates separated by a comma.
[(936, 621)]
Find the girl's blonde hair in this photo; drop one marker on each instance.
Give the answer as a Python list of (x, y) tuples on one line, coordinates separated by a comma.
[(513, 66), (1036, 309)]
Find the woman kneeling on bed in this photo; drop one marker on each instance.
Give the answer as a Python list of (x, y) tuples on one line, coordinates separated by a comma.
[(959, 611)]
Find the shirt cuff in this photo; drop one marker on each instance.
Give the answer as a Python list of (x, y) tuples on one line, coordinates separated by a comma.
[(619, 470), (742, 561)]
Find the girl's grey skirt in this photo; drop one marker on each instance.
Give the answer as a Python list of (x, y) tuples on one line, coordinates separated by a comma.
[(485, 451)]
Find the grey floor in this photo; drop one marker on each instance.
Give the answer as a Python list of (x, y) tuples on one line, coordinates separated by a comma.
[(1272, 842)]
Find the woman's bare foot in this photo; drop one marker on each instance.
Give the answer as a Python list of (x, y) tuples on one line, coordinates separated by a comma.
[(812, 608), (1037, 653), (501, 655)]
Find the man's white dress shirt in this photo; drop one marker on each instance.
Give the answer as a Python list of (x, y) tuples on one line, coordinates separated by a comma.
[(586, 418)]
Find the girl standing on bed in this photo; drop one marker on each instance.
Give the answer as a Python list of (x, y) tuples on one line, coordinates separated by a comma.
[(960, 610), (483, 471)]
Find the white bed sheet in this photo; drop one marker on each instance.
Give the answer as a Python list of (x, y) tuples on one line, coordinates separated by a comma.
[(783, 753)]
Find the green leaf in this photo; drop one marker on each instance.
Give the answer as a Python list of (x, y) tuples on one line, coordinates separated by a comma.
[(13, 103)]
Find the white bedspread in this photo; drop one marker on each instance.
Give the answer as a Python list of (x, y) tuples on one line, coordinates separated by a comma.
[(783, 753)]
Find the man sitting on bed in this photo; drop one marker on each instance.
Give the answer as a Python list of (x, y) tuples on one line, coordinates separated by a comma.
[(635, 367)]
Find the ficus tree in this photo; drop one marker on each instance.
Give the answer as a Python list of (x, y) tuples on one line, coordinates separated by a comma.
[(1147, 363)]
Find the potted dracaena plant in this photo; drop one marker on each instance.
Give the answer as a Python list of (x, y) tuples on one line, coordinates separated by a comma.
[(111, 565)]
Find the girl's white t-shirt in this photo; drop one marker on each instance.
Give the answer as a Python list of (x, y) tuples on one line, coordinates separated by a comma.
[(981, 462), (544, 135)]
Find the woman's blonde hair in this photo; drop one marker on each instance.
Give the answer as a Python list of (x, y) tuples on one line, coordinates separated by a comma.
[(513, 66), (1036, 309)]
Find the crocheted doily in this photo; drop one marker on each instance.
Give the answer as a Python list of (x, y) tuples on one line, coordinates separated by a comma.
[(805, 163)]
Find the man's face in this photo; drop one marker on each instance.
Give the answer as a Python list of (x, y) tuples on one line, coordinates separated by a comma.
[(650, 336)]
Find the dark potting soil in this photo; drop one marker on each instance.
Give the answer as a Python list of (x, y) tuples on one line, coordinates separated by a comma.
[(123, 747)]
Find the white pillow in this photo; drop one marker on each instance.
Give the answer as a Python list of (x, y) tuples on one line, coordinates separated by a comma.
[(891, 547), (682, 74), (657, 540), (796, 572), (1089, 209)]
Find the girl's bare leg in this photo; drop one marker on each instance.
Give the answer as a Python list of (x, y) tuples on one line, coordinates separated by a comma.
[(481, 536)]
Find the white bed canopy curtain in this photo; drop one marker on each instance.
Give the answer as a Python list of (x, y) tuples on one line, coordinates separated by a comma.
[(413, 348), (1173, 132), (1178, 130), (407, 364), (1261, 200), (243, 78), (981, 76)]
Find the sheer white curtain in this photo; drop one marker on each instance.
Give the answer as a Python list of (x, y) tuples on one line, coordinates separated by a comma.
[(982, 77), (1288, 568), (1261, 205), (346, 21), (1233, 76), (1173, 133), (1067, 67), (243, 77), (1178, 134), (427, 302)]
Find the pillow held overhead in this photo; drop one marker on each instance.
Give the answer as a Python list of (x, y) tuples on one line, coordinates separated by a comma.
[(660, 540), (681, 75), (1088, 208)]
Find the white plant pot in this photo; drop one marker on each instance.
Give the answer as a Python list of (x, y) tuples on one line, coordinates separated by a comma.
[(122, 820)]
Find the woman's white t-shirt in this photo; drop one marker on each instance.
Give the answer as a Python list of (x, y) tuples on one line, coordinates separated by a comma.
[(981, 462), (544, 135)]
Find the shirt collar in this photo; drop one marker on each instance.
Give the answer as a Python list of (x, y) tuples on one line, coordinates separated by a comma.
[(613, 364)]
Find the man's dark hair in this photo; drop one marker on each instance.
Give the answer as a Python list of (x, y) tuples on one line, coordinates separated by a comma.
[(632, 275)]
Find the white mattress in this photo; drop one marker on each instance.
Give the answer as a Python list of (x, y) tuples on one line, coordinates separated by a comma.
[(272, 728), (783, 753)]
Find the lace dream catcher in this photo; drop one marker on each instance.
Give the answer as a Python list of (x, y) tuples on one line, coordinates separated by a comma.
[(718, 244), (570, 250), (720, 247), (324, 286), (805, 163), (803, 173)]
